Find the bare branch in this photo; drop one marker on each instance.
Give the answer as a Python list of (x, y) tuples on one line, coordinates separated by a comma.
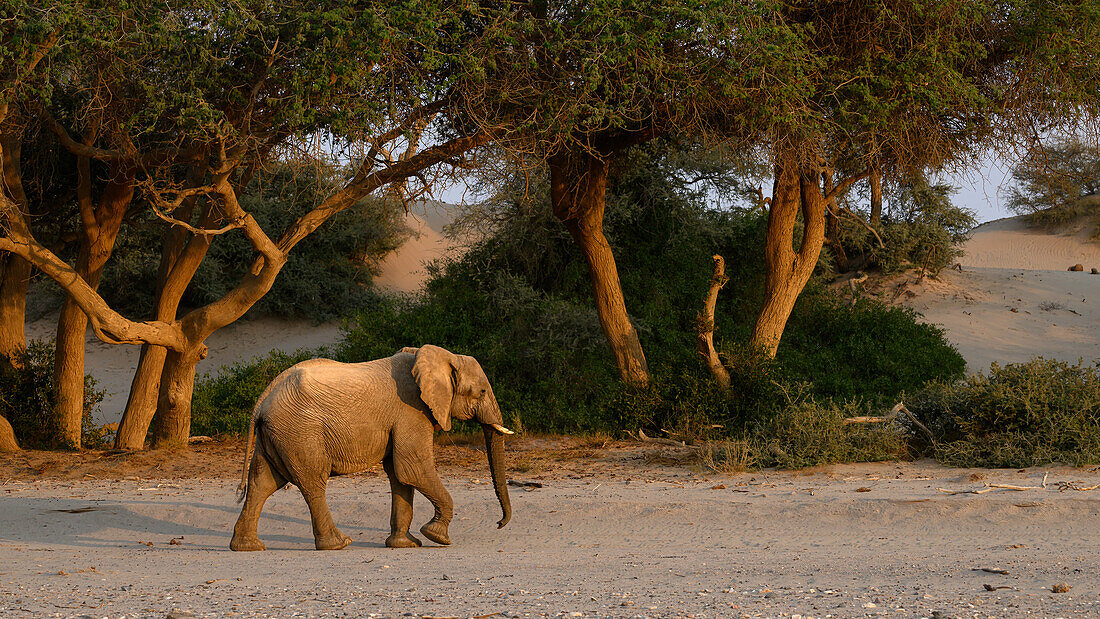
[(109, 325), (843, 185)]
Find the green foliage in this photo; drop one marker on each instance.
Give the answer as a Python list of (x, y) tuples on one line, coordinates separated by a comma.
[(809, 433), (1023, 414), (223, 404), (872, 350), (921, 228), (27, 400), (1057, 183)]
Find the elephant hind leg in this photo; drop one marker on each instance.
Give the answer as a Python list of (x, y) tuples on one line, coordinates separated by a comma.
[(263, 481), (325, 534), (401, 510)]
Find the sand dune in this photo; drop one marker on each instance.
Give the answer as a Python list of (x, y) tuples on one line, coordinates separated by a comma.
[(1012, 244), (405, 269), (1014, 299)]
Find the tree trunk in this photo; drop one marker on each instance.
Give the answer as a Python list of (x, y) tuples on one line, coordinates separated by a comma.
[(141, 404), (7, 437), (797, 189), (172, 424), (876, 197), (100, 231), (16, 273), (178, 265), (704, 339), (578, 187)]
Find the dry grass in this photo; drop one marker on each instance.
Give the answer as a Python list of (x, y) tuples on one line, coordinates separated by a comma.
[(726, 456)]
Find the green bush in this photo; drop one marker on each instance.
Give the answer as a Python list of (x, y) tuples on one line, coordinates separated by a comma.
[(27, 400), (922, 229), (872, 350), (1022, 414), (223, 404), (809, 433)]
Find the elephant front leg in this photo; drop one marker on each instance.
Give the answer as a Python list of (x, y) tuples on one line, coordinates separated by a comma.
[(401, 511), (432, 487)]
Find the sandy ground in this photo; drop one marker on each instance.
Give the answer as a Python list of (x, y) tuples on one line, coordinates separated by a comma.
[(405, 270), (616, 531), (1013, 298)]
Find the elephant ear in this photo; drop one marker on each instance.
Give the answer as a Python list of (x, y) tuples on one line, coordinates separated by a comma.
[(433, 370)]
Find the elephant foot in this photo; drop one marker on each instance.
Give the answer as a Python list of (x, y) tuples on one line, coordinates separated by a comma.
[(437, 532), (335, 542), (242, 543), (402, 540)]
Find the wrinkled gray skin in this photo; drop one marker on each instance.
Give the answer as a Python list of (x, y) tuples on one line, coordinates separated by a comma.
[(322, 418)]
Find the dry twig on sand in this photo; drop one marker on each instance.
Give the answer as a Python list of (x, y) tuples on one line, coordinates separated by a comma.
[(1072, 485), (893, 414), (946, 491), (1011, 487)]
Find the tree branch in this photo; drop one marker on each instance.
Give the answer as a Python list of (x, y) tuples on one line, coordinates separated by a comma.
[(109, 326)]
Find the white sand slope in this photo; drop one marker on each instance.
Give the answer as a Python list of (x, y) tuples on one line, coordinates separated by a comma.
[(1012, 244), (1014, 298), (405, 270)]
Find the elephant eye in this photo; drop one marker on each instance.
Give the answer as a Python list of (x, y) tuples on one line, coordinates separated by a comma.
[(482, 392)]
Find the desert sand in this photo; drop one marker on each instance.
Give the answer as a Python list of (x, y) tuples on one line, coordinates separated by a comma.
[(619, 530), (1013, 298)]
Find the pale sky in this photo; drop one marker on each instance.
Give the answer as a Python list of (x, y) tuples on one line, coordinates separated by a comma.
[(981, 190)]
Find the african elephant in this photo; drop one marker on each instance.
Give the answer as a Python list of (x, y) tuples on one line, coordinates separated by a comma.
[(321, 418)]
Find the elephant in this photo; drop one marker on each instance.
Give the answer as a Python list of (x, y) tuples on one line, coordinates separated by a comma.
[(322, 418)]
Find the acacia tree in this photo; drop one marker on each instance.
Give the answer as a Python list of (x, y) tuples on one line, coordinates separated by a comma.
[(585, 82), (902, 87), (1057, 181), (255, 83)]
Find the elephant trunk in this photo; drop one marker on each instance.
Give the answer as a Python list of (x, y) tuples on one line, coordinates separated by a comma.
[(494, 446)]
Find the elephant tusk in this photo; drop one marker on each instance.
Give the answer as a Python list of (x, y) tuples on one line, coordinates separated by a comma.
[(501, 429)]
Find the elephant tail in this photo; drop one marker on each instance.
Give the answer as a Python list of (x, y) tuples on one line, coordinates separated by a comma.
[(253, 424), (242, 489)]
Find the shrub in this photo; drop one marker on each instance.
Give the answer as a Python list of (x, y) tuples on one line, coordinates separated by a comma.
[(1022, 414), (223, 404), (871, 350), (922, 229), (27, 400), (809, 433)]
